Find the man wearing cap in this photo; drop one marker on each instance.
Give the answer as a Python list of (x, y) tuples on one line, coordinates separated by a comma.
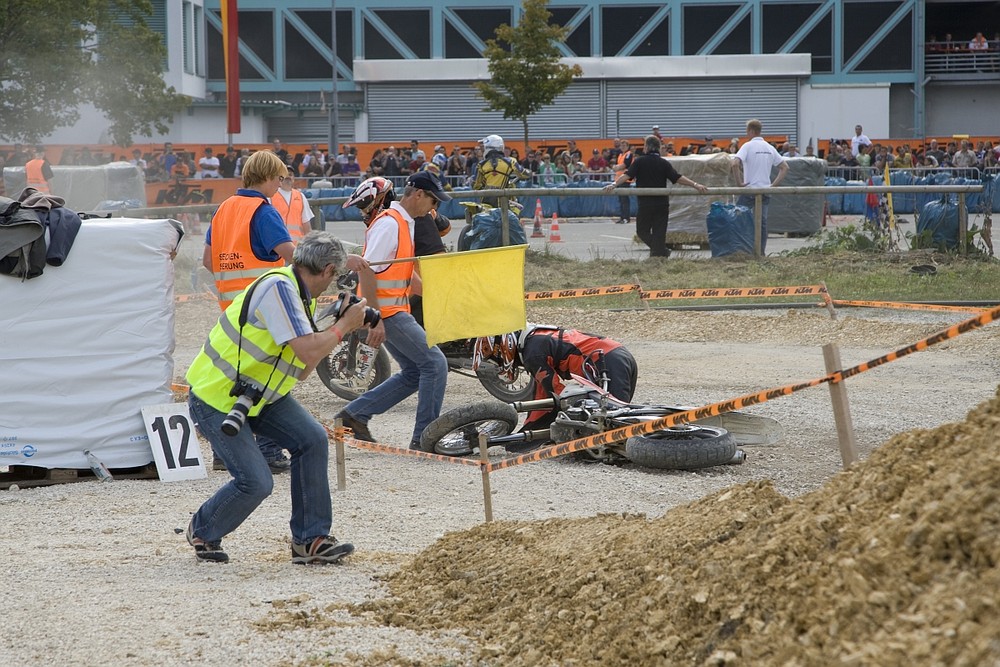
[(439, 158), (656, 132), (423, 369), (208, 165), (708, 148)]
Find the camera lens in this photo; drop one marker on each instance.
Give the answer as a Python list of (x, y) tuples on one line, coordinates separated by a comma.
[(234, 421)]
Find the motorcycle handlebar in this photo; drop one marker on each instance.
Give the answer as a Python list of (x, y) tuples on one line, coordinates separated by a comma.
[(537, 404)]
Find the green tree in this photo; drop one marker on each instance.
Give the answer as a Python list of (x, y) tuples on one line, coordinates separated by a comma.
[(525, 71), (58, 54)]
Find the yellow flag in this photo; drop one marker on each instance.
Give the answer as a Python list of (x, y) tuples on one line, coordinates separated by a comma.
[(888, 198), (473, 293)]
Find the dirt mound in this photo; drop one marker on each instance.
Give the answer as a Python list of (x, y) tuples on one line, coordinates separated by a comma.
[(891, 563)]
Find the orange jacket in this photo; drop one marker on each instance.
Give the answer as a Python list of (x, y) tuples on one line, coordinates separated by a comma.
[(35, 177), (392, 285), (291, 213), (233, 262)]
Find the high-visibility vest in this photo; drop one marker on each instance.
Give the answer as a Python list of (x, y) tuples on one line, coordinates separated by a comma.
[(392, 285), (233, 262), (271, 367), (291, 213), (36, 179)]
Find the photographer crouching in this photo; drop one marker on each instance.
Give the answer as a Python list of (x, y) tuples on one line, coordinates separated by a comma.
[(263, 344)]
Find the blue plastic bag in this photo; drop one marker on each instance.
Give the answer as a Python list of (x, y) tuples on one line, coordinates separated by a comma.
[(941, 218), (487, 233), (730, 229)]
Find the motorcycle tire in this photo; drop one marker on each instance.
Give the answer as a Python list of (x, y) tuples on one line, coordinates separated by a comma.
[(456, 432), (464, 239), (336, 371), (682, 448), (522, 389)]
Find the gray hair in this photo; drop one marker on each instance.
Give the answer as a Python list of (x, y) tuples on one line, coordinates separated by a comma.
[(652, 144), (318, 250)]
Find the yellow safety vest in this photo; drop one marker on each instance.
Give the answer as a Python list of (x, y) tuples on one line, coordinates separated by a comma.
[(263, 362)]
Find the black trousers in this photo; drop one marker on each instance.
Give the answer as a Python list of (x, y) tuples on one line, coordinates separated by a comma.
[(623, 373), (651, 227), (626, 207)]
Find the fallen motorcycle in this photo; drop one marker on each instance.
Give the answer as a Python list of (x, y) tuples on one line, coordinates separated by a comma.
[(586, 409)]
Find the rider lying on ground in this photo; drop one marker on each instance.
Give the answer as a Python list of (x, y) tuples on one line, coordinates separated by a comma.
[(550, 354)]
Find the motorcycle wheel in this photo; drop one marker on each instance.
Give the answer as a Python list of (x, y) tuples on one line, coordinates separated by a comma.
[(336, 371), (521, 389), (464, 240), (682, 448), (609, 454), (456, 432)]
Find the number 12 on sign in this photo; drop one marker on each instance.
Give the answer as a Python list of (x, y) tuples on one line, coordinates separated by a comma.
[(173, 441)]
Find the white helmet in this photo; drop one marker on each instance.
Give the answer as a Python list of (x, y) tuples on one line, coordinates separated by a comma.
[(493, 142), (371, 196)]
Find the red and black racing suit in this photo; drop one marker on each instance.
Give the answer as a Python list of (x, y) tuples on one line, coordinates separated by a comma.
[(550, 355)]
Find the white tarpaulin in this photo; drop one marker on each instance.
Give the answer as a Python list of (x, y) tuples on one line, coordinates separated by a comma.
[(84, 346)]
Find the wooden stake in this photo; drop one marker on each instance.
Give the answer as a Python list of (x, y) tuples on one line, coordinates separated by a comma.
[(828, 300), (338, 444), (841, 408), (484, 459)]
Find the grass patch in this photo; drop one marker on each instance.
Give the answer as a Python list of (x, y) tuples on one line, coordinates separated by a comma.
[(848, 275)]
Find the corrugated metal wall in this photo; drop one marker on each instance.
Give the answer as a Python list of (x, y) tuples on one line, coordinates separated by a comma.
[(693, 108), (308, 126), (681, 107), (398, 111)]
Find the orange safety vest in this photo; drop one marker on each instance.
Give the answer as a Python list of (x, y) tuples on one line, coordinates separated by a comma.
[(233, 262), (291, 213), (392, 285), (36, 179)]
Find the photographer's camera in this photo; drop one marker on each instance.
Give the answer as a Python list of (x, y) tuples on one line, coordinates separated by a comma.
[(247, 396), (346, 300)]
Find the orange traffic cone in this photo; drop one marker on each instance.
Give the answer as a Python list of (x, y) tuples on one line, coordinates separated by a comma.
[(554, 229), (536, 231)]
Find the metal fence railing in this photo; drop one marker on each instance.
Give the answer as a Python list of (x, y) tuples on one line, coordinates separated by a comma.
[(960, 190)]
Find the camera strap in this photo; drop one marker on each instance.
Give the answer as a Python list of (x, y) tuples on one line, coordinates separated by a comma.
[(245, 316)]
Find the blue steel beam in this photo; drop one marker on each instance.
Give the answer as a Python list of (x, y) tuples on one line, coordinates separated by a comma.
[(876, 37), (723, 32)]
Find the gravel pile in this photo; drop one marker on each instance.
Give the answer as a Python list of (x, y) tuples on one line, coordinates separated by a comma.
[(96, 575)]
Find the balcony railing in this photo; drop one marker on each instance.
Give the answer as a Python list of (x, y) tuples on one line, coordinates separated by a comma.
[(958, 58)]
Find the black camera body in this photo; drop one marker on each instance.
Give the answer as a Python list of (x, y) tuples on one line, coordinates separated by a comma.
[(247, 397), (346, 300)]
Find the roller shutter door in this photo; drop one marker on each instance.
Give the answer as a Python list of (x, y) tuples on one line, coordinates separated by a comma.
[(693, 108), (305, 127), (402, 111)]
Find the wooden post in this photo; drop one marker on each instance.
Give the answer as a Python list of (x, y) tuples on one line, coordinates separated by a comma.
[(828, 300), (504, 203), (338, 444), (484, 459), (841, 408), (758, 216), (963, 224)]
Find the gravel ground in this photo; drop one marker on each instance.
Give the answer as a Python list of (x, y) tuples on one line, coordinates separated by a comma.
[(97, 576)]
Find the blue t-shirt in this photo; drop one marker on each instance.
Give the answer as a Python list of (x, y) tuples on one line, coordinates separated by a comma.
[(267, 228)]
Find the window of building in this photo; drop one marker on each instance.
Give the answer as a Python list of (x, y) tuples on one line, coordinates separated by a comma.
[(619, 26), (187, 21), (701, 22), (410, 26)]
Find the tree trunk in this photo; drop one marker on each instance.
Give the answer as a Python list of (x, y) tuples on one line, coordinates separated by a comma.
[(524, 121)]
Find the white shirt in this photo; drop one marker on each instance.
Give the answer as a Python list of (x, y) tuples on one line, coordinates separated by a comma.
[(209, 167), (382, 238), (307, 213), (758, 157), (856, 141)]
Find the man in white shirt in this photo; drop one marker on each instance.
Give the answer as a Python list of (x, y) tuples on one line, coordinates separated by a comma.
[(208, 165), (858, 140), (423, 369), (752, 169)]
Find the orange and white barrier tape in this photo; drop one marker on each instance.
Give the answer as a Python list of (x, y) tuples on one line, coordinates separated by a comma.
[(348, 439), (733, 292), (643, 428), (586, 291), (898, 305)]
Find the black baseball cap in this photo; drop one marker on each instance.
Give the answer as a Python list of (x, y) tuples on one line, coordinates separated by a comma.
[(426, 181)]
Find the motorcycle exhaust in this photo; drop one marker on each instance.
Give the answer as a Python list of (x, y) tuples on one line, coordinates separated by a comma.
[(738, 458)]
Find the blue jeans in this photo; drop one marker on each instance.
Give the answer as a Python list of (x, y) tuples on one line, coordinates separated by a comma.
[(292, 428), (749, 201), (422, 369)]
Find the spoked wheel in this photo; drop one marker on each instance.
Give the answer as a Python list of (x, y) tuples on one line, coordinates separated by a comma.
[(610, 454), (521, 389), (456, 432), (684, 447), (338, 370)]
